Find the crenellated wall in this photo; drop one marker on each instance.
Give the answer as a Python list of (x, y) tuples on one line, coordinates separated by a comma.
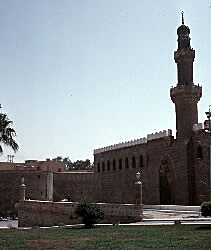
[(116, 171), (139, 141)]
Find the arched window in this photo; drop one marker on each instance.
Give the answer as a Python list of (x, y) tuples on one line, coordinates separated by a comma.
[(114, 164), (133, 162), (98, 167), (126, 163), (120, 163), (103, 166), (199, 152), (108, 165), (141, 161)]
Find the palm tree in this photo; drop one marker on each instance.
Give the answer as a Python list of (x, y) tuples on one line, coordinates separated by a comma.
[(7, 133)]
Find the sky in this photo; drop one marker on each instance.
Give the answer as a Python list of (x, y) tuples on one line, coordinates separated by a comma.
[(76, 75)]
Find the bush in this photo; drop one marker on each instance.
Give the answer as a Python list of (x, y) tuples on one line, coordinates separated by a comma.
[(90, 213), (206, 208)]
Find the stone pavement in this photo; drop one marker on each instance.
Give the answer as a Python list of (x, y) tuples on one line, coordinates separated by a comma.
[(170, 214), (8, 223), (173, 215)]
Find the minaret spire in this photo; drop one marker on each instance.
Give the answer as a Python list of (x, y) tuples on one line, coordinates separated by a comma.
[(185, 95), (182, 13)]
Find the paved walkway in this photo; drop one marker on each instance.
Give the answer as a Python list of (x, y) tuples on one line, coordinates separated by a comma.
[(7, 223), (170, 214)]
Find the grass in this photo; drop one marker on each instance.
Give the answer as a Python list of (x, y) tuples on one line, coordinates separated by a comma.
[(109, 237)]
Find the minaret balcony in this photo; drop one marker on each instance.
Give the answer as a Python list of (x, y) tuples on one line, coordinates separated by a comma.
[(189, 92), (184, 55)]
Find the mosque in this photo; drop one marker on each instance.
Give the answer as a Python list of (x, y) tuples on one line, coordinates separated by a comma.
[(173, 170)]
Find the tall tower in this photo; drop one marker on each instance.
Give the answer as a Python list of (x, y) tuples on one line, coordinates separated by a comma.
[(185, 95)]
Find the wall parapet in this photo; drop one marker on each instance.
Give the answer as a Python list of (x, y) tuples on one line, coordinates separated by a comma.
[(139, 141), (197, 126), (45, 213)]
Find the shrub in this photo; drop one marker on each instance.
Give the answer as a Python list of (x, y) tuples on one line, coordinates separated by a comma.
[(206, 208), (90, 213)]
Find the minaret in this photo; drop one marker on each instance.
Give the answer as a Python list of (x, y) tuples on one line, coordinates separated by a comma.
[(185, 95)]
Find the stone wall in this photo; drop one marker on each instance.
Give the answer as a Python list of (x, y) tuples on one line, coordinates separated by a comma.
[(39, 186), (201, 153), (48, 165), (116, 169), (190, 178), (34, 165), (76, 186), (43, 213)]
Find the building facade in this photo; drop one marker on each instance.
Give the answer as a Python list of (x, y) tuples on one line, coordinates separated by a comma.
[(173, 170), (34, 165)]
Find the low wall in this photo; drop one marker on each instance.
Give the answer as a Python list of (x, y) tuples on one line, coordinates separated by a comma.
[(45, 213)]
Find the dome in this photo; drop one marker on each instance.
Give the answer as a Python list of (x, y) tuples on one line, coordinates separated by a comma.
[(183, 30), (183, 33)]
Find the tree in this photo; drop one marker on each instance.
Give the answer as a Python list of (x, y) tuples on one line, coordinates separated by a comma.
[(58, 159), (77, 165), (67, 162), (81, 165), (90, 213), (206, 208), (7, 133)]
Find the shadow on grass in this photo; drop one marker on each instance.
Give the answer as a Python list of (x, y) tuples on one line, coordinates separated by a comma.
[(207, 227), (82, 227)]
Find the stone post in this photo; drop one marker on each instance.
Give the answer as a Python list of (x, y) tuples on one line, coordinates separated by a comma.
[(22, 190), (138, 190), (138, 206)]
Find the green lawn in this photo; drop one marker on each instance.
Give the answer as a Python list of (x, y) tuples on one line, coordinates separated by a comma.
[(109, 237)]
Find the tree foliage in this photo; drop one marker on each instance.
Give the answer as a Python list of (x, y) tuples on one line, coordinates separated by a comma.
[(206, 208), (58, 159), (81, 165), (90, 213), (7, 133), (77, 165)]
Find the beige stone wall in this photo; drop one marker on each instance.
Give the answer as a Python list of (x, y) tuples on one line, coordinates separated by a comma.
[(43, 213), (11, 166), (39, 185), (34, 165), (48, 165), (75, 186)]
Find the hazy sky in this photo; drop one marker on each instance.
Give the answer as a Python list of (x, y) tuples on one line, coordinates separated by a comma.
[(81, 74)]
